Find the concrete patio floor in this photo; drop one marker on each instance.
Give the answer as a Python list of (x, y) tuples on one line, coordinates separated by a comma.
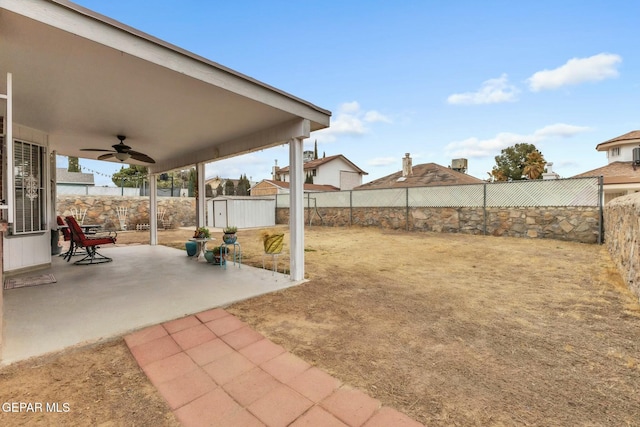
[(143, 286)]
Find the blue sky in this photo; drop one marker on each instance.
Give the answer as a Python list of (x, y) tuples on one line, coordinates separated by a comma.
[(437, 79)]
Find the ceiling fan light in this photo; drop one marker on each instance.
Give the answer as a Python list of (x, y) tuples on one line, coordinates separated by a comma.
[(122, 156)]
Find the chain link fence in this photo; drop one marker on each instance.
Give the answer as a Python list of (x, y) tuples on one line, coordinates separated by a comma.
[(535, 193), (569, 209)]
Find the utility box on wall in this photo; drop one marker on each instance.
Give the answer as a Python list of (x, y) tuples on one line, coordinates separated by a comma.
[(241, 212)]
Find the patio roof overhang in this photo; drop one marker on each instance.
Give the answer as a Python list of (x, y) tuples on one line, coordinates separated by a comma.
[(84, 78)]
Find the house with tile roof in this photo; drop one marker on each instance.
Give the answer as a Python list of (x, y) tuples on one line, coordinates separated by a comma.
[(336, 171), (621, 176), (269, 187), (423, 175)]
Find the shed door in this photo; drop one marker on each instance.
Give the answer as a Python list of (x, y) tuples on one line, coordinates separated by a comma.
[(220, 213)]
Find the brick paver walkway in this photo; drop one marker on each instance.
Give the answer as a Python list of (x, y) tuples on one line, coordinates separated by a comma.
[(214, 370)]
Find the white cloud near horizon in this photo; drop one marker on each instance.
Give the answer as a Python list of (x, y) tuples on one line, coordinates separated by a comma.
[(383, 161), (575, 71), (474, 147), (351, 120), (492, 91)]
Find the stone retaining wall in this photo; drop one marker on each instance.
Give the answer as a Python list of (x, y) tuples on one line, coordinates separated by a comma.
[(179, 211), (622, 225), (579, 224)]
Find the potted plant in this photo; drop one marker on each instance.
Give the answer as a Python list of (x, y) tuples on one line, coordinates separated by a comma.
[(229, 236), (216, 255), (202, 233)]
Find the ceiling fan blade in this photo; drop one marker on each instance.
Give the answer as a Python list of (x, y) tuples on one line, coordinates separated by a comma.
[(106, 156), (95, 149), (140, 157)]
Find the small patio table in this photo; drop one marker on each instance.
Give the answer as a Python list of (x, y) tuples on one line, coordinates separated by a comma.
[(202, 247)]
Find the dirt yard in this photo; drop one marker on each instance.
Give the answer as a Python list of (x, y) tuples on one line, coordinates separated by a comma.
[(451, 329)]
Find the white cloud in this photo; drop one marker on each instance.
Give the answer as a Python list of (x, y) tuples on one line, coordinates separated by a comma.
[(576, 71), (347, 124), (383, 161), (475, 147), (350, 107), (492, 91), (559, 129), (374, 116), (351, 120), (236, 166)]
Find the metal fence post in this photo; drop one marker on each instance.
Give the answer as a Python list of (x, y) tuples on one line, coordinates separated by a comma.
[(350, 208), (407, 203), (484, 209), (601, 206)]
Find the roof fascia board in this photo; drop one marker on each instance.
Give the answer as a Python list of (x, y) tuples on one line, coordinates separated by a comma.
[(604, 146), (353, 165), (266, 138), (76, 20)]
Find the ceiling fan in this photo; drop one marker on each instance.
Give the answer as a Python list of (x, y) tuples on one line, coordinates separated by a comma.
[(121, 152)]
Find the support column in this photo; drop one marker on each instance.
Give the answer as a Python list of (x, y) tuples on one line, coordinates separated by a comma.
[(8, 133), (200, 200), (153, 209), (296, 208)]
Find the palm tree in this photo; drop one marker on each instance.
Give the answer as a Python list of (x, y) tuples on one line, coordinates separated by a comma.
[(534, 165), (497, 175)]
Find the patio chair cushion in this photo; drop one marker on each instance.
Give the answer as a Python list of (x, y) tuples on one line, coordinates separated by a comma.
[(65, 230)]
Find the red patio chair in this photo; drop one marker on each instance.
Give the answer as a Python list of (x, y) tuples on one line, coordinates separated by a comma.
[(79, 239), (66, 234)]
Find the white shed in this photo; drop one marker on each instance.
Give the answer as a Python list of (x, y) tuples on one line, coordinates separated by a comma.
[(241, 211)]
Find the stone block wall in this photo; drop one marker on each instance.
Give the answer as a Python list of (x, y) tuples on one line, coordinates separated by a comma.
[(622, 231), (579, 224), (179, 211)]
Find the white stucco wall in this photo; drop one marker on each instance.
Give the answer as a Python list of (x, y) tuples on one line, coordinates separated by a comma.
[(330, 174), (626, 153)]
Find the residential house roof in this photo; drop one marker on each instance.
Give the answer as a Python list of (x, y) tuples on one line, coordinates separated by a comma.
[(615, 173), (63, 176), (312, 164), (307, 187), (626, 138), (426, 174)]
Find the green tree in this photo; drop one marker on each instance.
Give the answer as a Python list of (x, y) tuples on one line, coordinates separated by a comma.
[(511, 163), (308, 179), (219, 190), (242, 189), (74, 164), (315, 150), (193, 183), (131, 176), (171, 179), (208, 192), (229, 188)]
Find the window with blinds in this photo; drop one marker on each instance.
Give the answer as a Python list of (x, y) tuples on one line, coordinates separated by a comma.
[(30, 197)]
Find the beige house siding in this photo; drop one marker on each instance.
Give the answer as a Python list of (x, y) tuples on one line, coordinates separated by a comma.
[(264, 188)]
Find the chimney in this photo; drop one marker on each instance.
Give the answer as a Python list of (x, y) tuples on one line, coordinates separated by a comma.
[(407, 168), (275, 172), (550, 174)]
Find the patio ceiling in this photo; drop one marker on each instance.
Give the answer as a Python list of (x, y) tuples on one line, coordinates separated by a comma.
[(83, 79)]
